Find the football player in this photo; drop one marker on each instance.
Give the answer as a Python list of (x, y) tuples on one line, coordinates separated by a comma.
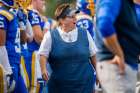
[(39, 27), (85, 17), (10, 42)]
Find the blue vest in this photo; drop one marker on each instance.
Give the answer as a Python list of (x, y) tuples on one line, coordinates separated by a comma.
[(70, 61), (70, 64)]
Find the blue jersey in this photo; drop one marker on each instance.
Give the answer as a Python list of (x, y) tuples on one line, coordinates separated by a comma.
[(137, 7), (8, 22), (85, 22), (24, 49), (35, 19)]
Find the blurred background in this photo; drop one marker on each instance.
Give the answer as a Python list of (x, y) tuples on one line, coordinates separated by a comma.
[(52, 4)]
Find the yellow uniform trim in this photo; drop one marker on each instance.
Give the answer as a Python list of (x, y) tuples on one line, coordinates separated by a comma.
[(34, 85), (91, 7), (37, 88), (33, 71), (90, 1), (6, 14), (24, 4), (24, 73), (1, 80)]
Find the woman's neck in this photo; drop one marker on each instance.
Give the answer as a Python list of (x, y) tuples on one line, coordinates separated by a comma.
[(66, 30)]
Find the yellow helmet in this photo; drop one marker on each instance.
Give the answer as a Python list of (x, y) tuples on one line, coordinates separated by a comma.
[(24, 3)]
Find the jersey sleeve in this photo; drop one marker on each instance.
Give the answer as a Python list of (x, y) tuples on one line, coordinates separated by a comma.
[(3, 22), (92, 47), (34, 18)]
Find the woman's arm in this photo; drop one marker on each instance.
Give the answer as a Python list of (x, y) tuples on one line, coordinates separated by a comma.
[(44, 51), (43, 62)]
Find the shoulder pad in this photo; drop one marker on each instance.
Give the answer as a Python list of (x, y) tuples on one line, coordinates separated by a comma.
[(83, 16), (6, 14)]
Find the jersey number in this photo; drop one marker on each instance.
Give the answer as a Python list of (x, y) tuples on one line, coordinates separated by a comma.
[(83, 24), (17, 41)]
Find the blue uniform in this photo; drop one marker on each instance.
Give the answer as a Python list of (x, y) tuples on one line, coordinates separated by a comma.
[(24, 49), (35, 19), (12, 36), (85, 22), (25, 63), (8, 22)]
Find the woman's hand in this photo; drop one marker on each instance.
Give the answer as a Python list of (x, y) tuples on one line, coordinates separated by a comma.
[(44, 71), (45, 75)]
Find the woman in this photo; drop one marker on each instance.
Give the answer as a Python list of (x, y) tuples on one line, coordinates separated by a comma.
[(69, 51)]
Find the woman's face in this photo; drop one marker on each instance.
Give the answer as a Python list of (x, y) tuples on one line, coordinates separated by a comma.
[(68, 23)]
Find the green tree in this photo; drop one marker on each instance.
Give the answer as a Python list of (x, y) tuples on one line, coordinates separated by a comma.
[(52, 4)]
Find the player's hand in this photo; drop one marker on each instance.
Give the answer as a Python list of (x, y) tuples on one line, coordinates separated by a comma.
[(21, 15), (22, 18)]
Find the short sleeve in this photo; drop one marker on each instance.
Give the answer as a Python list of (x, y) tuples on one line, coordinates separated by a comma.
[(34, 18), (3, 22), (92, 49), (46, 44)]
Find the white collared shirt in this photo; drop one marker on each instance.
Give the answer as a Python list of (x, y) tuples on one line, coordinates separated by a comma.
[(69, 37)]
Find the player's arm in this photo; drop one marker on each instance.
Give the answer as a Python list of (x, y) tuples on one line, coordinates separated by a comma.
[(37, 31), (26, 33), (29, 31), (25, 26), (3, 52), (22, 17), (2, 30), (2, 37), (105, 24)]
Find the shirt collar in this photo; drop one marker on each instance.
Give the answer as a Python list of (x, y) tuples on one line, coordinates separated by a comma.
[(63, 32)]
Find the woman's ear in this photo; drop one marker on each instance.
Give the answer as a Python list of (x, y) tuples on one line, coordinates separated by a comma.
[(61, 21)]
